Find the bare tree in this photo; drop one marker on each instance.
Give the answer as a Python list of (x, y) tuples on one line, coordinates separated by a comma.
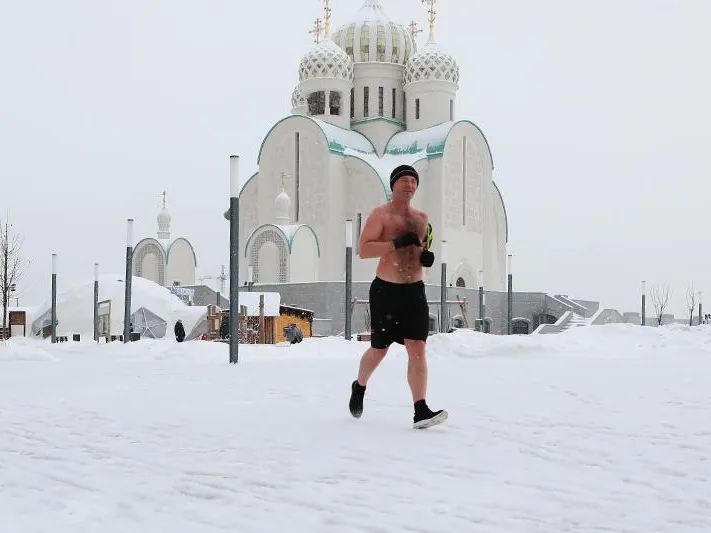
[(660, 300), (12, 266), (691, 302)]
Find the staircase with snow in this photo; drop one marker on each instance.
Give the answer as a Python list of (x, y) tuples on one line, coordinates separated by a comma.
[(576, 321)]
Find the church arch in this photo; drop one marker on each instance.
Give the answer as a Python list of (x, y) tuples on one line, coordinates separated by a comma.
[(276, 253), (184, 240), (309, 228), (464, 277), (149, 261)]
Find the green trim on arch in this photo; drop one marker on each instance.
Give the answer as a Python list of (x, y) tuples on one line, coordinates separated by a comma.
[(289, 241), (437, 146), (155, 241), (503, 204), (173, 243), (333, 145)]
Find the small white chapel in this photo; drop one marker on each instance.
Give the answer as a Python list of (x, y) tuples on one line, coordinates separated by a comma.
[(166, 261)]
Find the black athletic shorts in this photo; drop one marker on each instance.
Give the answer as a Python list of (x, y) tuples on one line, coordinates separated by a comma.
[(398, 311)]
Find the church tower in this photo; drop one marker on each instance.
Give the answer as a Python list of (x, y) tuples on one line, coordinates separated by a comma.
[(325, 78), (431, 83)]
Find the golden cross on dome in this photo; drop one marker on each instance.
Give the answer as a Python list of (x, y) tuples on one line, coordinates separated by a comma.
[(317, 29), (327, 15), (432, 12), (414, 28)]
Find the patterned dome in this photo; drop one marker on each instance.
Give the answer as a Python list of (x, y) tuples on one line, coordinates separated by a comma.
[(297, 99), (431, 64), (373, 37), (326, 60)]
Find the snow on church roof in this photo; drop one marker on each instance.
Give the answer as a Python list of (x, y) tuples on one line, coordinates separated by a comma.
[(340, 139), (429, 141), (406, 147)]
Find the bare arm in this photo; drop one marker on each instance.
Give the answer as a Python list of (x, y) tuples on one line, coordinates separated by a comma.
[(369, 244)]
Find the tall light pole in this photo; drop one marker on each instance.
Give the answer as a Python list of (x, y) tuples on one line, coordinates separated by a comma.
[(349, 277), (700, 315), (443, 290), (234, 259), (127, 283), (644, 297), (481, 300), (54, 298), (510, 289), (96, 302)]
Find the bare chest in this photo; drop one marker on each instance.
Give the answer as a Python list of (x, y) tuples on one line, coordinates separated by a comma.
[(396, 225)]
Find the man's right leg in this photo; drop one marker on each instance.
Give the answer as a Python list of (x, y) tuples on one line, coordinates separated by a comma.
[(368, 363)]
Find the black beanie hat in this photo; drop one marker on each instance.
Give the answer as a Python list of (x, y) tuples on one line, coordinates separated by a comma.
[(403, 170)]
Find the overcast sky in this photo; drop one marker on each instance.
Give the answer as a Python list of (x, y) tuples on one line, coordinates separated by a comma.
[(597, 114)]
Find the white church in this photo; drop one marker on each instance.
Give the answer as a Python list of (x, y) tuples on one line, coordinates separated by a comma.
[(162, 259), (369, 99)]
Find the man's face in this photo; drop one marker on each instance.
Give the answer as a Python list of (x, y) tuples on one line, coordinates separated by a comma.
[(405, 186)]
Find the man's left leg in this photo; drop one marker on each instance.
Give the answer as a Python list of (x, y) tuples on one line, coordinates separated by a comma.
[(417, 379)]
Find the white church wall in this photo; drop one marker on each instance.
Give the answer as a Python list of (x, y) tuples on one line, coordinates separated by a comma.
[(373, 75), (304, 175), (332, 236), (495, 245), (248, 209), (363, 192), (181, 263), (434, 106), (304, 257), (428, 199), (465, 200)]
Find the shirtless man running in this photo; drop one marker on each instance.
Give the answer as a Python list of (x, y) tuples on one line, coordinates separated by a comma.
[(394, 232)]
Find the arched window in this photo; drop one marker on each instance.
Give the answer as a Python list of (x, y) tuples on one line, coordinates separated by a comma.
[(269, 257), (461, 282), (334, 102), (149, 263), (317, 103)]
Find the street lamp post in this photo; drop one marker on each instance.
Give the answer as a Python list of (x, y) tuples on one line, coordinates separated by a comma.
[(96, 302), (349, 277), (644, 296), (54, 298), (510, 290), (127, 283), (481, 300), (700, 315), (443, 290), (234, 259)]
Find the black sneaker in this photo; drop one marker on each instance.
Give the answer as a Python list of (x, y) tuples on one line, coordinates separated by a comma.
[(425, 417), (356, 403)]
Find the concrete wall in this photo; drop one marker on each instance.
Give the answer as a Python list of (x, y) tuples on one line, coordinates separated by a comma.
[(327, 301)]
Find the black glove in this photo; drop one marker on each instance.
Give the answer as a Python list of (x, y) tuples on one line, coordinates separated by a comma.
[(407, 240), (427, 258)]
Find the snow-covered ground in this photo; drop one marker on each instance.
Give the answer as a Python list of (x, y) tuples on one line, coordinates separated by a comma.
[(597, 429)]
